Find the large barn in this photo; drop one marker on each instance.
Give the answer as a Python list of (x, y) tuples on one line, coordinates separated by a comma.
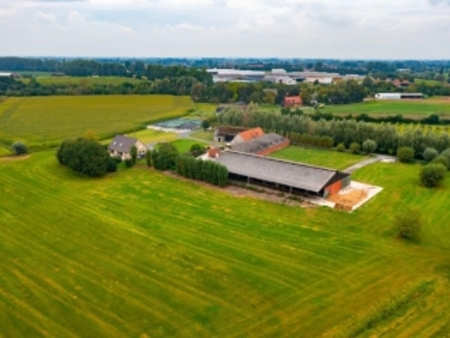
[(295, 178), (263, 145)]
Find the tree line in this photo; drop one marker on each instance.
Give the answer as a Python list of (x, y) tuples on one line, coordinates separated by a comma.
[(387, 137)]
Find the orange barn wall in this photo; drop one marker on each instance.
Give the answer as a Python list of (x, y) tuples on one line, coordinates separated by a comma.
[(272, 149), (334, 188)]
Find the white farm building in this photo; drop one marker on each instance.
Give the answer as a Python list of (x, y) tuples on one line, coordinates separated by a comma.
[(399, 96)]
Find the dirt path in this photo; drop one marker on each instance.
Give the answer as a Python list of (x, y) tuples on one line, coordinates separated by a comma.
[(364, 163)]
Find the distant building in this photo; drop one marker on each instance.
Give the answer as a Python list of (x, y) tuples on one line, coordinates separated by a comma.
[(121, 146), (399, 96), (247, 135), (292, 101)]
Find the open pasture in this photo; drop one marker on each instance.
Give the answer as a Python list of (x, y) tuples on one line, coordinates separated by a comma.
[(409, 108), (44, 121), (140, 253), (322, 158)]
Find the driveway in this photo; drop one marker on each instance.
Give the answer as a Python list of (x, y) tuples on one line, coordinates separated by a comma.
[(377, 158)]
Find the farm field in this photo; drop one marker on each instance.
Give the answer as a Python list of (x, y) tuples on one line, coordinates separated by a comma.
[(44, 121), (4, 151), (414, 109), (105, 80), (193, 261), (324, 158)]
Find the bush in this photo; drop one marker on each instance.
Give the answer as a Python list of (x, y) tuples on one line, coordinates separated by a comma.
[(197, 150), (164, 158), (129, 163), (206, 124), (369, 146), (118, 159), (446, 153), (355, 148), (84, 156), (408, 223), (134, 154), (111, 165), (148, 158), (340, 147), (432, 174), (430, 154), (19, 148), (442, 160), (405, 154)]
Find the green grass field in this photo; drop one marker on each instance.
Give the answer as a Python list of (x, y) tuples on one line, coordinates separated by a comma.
[(415, 109), (4, 151), (44, 121), (204, 135), (143, 254), (329, 159), (105, 80), (184, 145)]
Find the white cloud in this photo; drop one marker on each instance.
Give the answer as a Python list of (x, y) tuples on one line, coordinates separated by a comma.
[(285, 28)]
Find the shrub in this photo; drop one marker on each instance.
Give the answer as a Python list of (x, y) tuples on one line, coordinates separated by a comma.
[(197, 150), (129, 163), (408, 223), (430, 154), (165, 157), (206, 124), (19, 148), (355, 148), (405, 154), (432, 174), (340, 147), (446, 153), (133, 154), (442, 160), (369, 146), (118, 159), (148, 158), (111, 165)]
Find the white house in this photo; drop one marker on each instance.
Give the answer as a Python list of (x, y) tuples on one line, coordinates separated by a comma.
[(121, 146)]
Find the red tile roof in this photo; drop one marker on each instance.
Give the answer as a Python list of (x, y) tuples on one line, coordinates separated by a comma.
[(293, 101), (251, 134)]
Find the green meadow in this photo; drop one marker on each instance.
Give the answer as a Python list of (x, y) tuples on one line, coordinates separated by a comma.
[(414, 109), (323, 158), (143, 254), (45, 121)]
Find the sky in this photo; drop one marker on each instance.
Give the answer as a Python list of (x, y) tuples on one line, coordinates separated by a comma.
[(351, 29)]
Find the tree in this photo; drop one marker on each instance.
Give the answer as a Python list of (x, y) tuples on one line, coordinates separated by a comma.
[(164, 158), (148, 158), (340, 147), (432, 174), (405, 154), (355, 148), (86, 157), (19, 148), (111, 165), (442, 160), (206, 124), (369, 146), (408, 223), (430, 154), (197, 150), (446, 153), (90, 135), (133, 154)]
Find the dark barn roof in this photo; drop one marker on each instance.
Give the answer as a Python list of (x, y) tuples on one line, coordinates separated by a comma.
[(291, 174), (258, 144), (122, 143), (229, 130)]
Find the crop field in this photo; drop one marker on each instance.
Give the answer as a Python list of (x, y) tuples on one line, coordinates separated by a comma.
[(44, 121), (142, 254), (105, 80), (410, 108), (329, 159)]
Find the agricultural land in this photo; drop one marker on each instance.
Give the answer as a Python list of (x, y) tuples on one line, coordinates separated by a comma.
[(410, 108), (140, 253), (323, 158), (44, 121), (105, 80)]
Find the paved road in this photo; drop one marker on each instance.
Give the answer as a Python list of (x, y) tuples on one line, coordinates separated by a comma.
[(372, 160)]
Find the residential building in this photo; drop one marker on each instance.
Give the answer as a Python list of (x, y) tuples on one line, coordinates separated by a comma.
[(121, 146)]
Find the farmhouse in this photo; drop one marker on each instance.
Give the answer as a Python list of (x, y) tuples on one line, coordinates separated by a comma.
[(292, 101), (263, 145), (295, 178), (399, 96), (227, 134), (247, 135), (121, 146)]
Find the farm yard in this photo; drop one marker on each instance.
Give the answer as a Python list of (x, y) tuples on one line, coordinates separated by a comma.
[(323, 158), (408, 108), (44, 121), (190, 260)]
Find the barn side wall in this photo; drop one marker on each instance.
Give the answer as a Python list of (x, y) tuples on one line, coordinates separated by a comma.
[(274, 148)]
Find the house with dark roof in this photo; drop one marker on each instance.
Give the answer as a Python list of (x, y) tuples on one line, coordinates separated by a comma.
[(263, 145), (121, 146), (292, 177), (227, 134)]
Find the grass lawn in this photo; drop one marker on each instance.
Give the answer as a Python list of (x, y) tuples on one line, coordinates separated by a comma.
[(4, 151), (184, 145), (419, 108), (44, 121), (323, 158), (207, 135), (140, 253)]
